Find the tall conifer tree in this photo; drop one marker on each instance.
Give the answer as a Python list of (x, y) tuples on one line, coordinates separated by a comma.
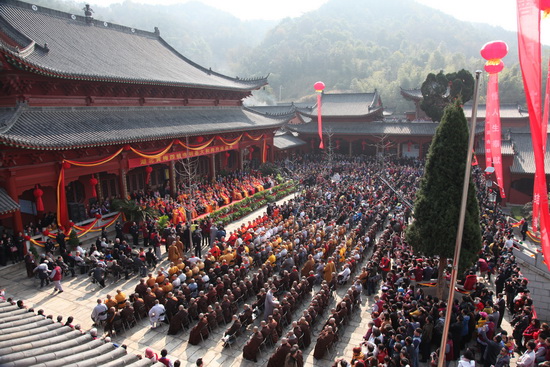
[(437, 204)]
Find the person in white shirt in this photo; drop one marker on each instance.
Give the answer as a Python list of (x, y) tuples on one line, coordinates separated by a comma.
[(527, 359), (99, 313), (156, 314), (343, 276)]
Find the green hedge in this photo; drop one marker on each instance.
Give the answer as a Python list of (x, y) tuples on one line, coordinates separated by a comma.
[(233, 212)]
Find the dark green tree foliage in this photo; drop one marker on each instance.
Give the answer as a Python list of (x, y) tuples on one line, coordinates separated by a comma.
[(437, 204), (441, 89)]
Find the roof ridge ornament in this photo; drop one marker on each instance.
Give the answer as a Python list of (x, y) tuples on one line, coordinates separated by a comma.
[(157, 31)]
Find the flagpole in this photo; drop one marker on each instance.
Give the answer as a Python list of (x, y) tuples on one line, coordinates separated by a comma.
[(460, 230)]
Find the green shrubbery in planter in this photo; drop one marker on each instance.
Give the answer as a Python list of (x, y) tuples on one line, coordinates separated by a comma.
[(246, 206)]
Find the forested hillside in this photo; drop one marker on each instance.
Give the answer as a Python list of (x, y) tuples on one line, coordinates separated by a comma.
[(360, 45), (351, 45)]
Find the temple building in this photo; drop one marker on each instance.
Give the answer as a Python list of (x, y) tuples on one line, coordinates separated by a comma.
[(354, 123), (91, 109)]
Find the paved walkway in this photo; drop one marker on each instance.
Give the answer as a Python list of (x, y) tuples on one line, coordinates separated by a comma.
[(80, 294)]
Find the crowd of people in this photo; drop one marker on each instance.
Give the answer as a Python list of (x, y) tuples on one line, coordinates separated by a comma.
[(202, 197), (258, 280)]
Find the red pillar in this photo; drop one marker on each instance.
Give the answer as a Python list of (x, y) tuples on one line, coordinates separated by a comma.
[(12, 192)]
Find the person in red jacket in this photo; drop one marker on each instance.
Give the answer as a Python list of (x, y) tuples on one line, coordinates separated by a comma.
[(470, 281), (56, 276)]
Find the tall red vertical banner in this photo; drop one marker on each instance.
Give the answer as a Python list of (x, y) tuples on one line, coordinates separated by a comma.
[(488, 150), (492, 117), (319, 87), (529, 48), (320, 121), (62, 210)]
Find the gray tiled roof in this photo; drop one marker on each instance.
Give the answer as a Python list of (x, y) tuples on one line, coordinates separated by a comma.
[(369, 128), (524, 161), (507, 111), (414, 94), (287, 141), (7, 204), (62, 127), (348, 104), (506, 148), (99, 51), (274, 110)]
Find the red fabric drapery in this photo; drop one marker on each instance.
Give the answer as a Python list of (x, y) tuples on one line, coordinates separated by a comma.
[(62, 213), (529, 48)]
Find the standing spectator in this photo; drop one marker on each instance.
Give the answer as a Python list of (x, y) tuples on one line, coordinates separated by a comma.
[(197, 239), (524, 228), (503, 359), (270, 302), (134, 231), (30, 264), (60, 239), (43, 273), (205, 232), (56, 276), (527, 359), (118, 230)]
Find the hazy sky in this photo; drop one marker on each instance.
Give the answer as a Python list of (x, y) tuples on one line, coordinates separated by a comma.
[(495, 12)]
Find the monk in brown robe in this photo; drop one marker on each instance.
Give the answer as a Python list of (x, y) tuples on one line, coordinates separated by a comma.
[(200, 329), (180, 318), (306, 331), (250, 350), (277, 359), (324, 341)]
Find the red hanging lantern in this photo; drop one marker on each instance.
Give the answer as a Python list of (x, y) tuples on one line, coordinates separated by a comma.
[(38, 198), (93, 184), (338, 142), (148, 171), (494, 51), (46, 233), (250, 151), (494, 69), (66, 165), (127, 147), (200, 139), (409, 146), (364, 145), (319, 87)]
